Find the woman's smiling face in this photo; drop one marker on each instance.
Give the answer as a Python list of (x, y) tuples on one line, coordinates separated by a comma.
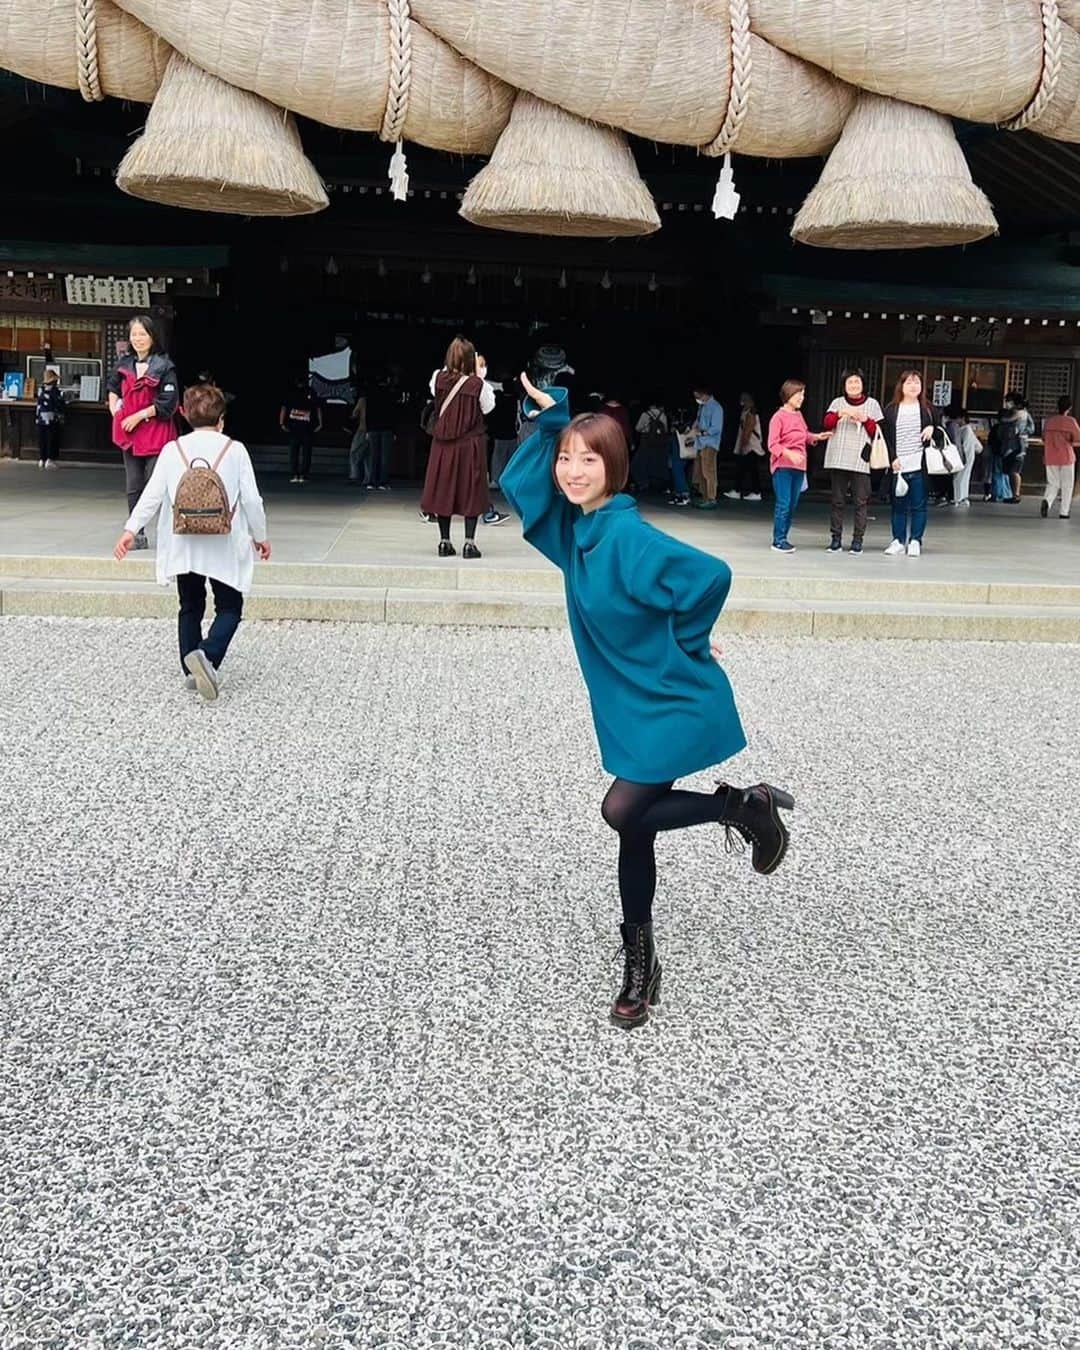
[(581, 473)]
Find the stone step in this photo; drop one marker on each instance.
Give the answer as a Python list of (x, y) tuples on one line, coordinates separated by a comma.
[(125, 597), (542, 580)]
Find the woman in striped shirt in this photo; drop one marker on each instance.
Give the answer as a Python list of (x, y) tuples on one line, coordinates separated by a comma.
[(907, 426)]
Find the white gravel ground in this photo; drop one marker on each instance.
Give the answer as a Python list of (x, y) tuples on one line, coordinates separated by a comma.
[(303, 1035)]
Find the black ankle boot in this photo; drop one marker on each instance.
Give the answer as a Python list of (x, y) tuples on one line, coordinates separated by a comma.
[(446, 549), (754, 814), (641, 978)]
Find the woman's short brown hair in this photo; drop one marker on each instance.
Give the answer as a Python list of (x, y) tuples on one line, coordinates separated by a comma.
[(604, 437), (461, 357), (204, 405), (790, 388)]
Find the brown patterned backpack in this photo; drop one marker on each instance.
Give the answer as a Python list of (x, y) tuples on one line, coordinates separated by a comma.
[(201, 504)]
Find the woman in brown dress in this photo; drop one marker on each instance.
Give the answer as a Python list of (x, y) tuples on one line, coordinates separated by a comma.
[(456, 482)]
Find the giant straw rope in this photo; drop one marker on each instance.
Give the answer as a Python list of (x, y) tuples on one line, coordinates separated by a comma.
[(1051, 68), (86, 50)]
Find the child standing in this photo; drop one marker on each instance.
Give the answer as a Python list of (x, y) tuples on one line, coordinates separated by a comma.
[(227, 561), (641, 607), (789, 438), (49, 416)]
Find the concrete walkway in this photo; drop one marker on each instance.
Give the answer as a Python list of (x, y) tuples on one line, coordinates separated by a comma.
[(988, 571)]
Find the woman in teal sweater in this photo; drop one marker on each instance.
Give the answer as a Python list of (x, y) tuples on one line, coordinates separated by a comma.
[(641, 607)]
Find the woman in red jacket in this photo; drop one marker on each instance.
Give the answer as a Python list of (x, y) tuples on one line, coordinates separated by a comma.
[(144, 393)]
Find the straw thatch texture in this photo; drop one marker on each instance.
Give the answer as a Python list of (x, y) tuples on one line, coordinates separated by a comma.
[(1061, 118), (552, 173), (37, 40), (330, 61), (897, 179), (656, 70), (977, 59), (212, 147), (794, 108)]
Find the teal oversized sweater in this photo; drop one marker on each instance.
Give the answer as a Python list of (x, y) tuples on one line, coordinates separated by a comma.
[(641, 606)]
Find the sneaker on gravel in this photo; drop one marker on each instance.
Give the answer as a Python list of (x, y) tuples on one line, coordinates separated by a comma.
[(206, 677)]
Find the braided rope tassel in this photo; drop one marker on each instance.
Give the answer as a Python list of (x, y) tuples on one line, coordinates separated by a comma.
[(726, 200), (741, 70), (1051, 68), (86, 50), (397, 96)]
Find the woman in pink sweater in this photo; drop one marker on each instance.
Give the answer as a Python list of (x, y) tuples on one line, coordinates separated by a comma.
[(789, 438)]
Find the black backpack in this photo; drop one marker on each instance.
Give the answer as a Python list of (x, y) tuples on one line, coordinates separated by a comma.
[(654, 437), (1007, 439)]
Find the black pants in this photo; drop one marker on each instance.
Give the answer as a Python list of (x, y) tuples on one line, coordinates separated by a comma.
[(49, 440), (748, 473), (137, 471), (859, 483), (228, 611), (300, 443)]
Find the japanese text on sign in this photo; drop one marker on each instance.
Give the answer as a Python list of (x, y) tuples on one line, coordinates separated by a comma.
[(108, 291)]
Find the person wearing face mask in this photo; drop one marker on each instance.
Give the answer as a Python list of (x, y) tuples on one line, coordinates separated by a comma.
[(641, 608), (706, 432), (144, 394), (492, 516), (852, 421)]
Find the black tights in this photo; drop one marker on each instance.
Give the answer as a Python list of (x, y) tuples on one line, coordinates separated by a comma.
[(638, 812), (444, 527)]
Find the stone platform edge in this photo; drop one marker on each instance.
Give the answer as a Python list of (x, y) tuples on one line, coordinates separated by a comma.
[(546, 581), (415, 605)]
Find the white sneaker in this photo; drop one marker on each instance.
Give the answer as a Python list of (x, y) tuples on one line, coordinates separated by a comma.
[(894, 548), (295, 480), (914, 549), (752, 497), (733, 496), (50, 463), (41, 463), (206, 677)]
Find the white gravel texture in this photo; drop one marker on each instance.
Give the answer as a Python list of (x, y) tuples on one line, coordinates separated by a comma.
[(303, 1018)]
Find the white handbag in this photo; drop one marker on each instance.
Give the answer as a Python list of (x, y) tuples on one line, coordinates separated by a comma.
[(942, 457), (687, 445), (879, 452)]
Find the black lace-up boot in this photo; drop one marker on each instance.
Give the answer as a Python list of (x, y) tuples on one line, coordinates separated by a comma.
[(753, 814), (641, 978)]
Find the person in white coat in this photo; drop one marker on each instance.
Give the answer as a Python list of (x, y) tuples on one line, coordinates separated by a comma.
[(226, 560)]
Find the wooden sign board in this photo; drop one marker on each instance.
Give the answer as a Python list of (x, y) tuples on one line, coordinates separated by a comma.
[(108, 291)]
